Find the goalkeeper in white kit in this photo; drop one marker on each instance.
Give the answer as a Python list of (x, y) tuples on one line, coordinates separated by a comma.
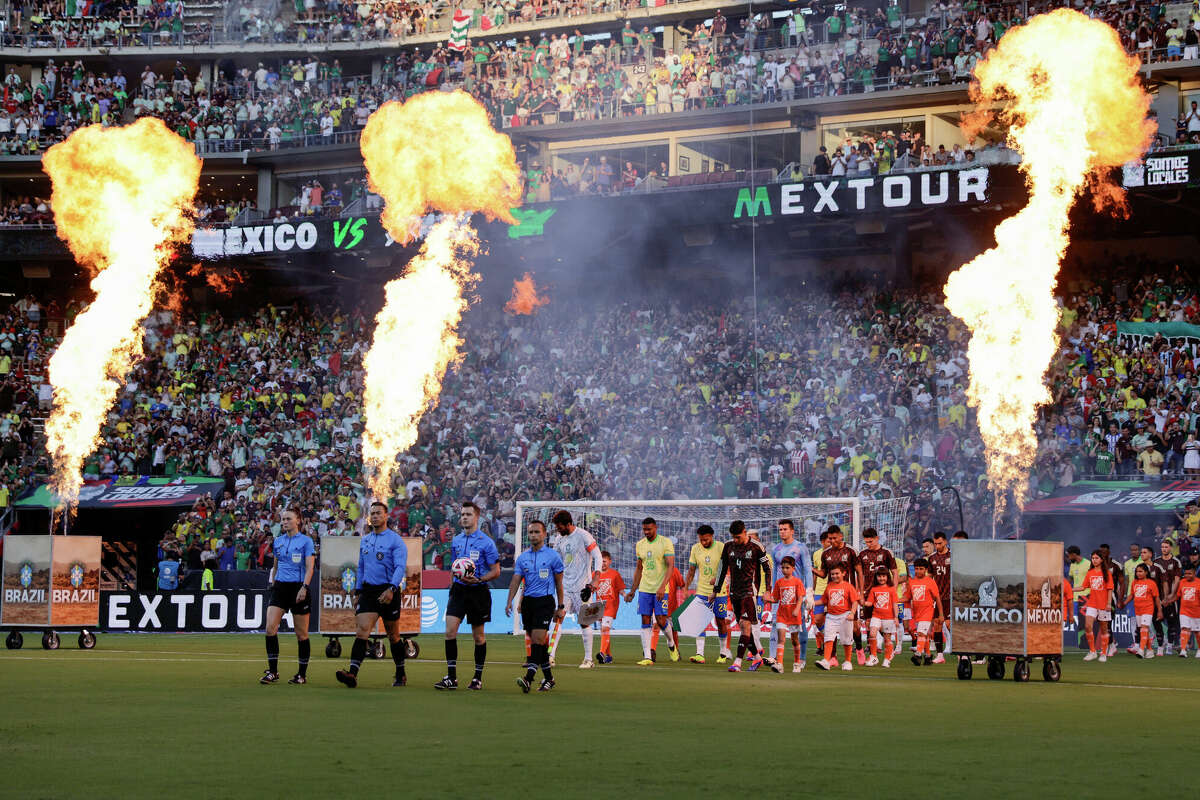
[(581, 560)]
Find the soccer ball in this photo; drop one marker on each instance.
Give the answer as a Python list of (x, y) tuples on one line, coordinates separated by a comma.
[(462, 567)]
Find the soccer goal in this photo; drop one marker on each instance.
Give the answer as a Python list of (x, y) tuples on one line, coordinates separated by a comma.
[(617, 524)]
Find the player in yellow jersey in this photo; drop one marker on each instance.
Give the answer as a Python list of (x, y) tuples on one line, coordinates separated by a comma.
[(704, 562), (819, 582), (655, 560)]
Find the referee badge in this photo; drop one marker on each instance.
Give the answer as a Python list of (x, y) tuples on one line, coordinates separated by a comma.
[(379, 556), (543, 574)]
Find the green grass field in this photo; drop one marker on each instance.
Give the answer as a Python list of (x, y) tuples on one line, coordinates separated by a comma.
[(184, 716)]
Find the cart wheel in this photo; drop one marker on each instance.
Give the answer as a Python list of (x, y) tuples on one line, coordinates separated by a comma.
[(964, 669), (1051, 670), (995, 669), (50, 640), (380, 649), (14, 640), (333, 649), (1021, 671), (411, 648), (87, 640)]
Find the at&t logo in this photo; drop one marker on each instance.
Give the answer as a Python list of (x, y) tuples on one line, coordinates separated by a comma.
[(430, 613)]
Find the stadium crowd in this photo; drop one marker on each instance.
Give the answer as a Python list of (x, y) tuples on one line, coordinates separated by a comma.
[(552, 76), (858, 393)]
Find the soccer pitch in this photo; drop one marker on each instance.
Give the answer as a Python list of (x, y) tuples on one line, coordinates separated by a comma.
[(184, 716)]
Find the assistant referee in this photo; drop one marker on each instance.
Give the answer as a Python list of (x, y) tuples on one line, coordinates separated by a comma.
[(289, 579), (541, 569)]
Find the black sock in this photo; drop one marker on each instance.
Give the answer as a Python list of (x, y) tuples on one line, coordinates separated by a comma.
[(452, 659), (938, 642), (535, 658), (857, 639), (398, 649), (273, 653), (305, 647), (544, 657), (480, 659), (742, 644), (358, 651)]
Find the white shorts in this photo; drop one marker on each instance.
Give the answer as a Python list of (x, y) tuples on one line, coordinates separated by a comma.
[(1144, 620), (888, 625), (572, 601), (785, 628), (839, 626), (1189, 623), (607, 622), (1104, 615), (925, 626)]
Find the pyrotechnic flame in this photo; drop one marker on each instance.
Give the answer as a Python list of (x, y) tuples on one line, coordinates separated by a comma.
[(1075, 106), (121, 197), (525, 299), (437, 151), (221, 280)]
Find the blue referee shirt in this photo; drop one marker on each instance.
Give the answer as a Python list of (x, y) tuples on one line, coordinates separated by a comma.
[(538, 568), (476, 546), (290, 553), (803, 563), (382, 559)]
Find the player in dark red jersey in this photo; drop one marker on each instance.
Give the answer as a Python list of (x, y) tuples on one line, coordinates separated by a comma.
[(871, 559), (939, 562), (745, 562), (839, 555)]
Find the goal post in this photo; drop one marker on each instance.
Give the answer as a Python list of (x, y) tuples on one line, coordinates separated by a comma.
[(616, 524)]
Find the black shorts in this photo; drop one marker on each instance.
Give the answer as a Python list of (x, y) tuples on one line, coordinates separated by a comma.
[(368, 603), (744, 607), (283, 595), (866, 611), (536, 612), (472, 603)]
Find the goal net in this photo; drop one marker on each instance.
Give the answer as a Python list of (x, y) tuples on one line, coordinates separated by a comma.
[(617, 524)]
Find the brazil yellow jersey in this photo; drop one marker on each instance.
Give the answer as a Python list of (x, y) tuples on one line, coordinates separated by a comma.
[(653, 556), (707, 562), (819, 583)]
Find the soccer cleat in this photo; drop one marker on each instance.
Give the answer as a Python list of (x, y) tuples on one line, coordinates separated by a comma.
[(587, 664), (674, 653), (401, 681), (269, 677), (1103, 657), (735, 667), (297, 680), (1133, 650), (476, 684), (607, 658), (1091, 656), (847, 667), (927, 660), (1198, 652), (546, 686), (887, 663), (916, 659), (653, 654), (1160, 650), (1112, 649), (858, 654), (873, 661), (1149, 654), (646, 662), (797, 667), (777, 667), (1170, 649), (754, 664), (348, 678), (939, 659), (1183, 653), (524, 684), (447, 683), (723, 658), (697, 659), (823, 664), (1139, 653)]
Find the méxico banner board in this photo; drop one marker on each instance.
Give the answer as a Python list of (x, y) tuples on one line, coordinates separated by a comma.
[(1006, 597)]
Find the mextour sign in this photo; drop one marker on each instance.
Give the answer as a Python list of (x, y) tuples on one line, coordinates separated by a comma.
[(870, 193), (186, 612)]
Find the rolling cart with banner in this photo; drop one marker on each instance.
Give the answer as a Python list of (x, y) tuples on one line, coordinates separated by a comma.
[(1007, 602), (51, 583), (339, 571)]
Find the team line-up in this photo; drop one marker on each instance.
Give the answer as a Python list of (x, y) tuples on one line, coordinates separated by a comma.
[(851, 597)]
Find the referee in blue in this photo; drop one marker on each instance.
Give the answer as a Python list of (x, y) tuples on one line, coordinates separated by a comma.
[(290, 575), (540, 568), (378, 587), (470, 596)]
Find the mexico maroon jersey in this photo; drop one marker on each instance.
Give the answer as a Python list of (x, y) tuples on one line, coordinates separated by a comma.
[(843, 557), (941, 572), (872, 560), (1171, 569), (742, 562)]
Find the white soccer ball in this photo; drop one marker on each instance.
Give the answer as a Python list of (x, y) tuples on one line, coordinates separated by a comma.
[(462, 567)]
